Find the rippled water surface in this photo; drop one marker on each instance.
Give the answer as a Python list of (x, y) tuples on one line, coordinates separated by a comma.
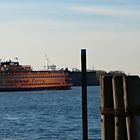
[(48, 115)]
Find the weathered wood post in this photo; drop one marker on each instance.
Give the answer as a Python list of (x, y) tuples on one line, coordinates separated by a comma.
[(132, 106), (107, 108), (84, 95), (119, 111), (120, 100)]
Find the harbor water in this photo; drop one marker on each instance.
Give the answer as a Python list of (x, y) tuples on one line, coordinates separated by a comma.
[(48, 115)]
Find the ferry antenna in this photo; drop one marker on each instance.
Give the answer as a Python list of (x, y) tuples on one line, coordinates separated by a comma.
[(47, 61)]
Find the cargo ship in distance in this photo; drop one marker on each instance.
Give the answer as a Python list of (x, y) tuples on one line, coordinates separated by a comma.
[(16, 77)]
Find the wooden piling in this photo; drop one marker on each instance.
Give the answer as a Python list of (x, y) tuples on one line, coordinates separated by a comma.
[(131, 86), (84, 95), (107, 108), (119, 111), (120, 99)]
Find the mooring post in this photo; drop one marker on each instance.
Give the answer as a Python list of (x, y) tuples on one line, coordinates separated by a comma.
[(118, 96), (107, 108), (84, 94), (132, 106)]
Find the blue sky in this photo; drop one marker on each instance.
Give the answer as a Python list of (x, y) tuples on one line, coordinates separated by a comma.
[(109, 30)]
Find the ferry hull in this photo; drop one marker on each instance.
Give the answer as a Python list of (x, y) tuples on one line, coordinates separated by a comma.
[(34, 89)]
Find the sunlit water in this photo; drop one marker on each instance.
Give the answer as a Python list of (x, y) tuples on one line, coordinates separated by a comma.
[(48, 115)]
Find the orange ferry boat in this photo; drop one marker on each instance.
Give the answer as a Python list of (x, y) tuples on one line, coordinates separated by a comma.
[(16, 77)]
